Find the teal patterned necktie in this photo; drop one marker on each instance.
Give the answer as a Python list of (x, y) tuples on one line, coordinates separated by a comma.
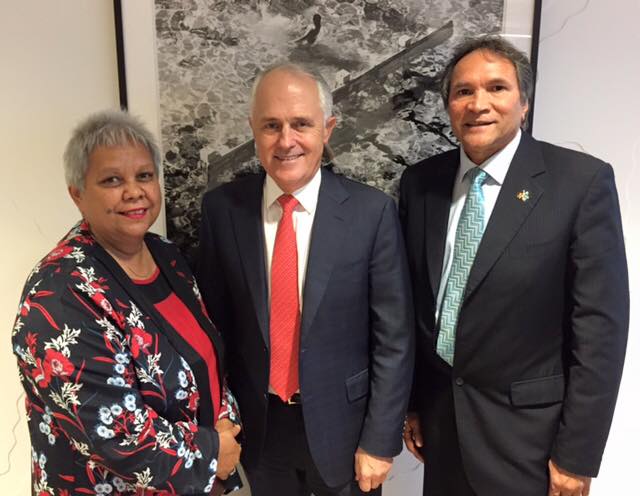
[(468, 236)]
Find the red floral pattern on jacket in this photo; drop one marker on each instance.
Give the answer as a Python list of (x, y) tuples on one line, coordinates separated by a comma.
[(112, 406)]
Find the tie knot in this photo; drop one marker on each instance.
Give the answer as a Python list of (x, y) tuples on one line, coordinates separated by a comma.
[(477, 176), (288, 203)]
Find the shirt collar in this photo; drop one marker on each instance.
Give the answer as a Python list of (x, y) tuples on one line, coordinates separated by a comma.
[(495, 166), (307, 196)]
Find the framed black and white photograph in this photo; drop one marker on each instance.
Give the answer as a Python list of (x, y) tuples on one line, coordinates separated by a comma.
[(381, 58)]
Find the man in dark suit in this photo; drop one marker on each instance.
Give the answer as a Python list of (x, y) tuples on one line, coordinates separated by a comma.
[(304, 272), (521, 294)]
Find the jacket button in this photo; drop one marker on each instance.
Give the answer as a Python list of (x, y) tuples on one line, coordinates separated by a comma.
[(459, 381)]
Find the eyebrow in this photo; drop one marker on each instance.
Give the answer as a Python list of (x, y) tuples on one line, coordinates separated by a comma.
[(490, 82), (117, 170), (295, 118)]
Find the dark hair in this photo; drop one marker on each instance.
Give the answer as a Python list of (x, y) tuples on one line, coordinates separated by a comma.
[(500, 47)]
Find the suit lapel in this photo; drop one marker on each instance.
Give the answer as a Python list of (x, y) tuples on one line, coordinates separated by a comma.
[(329, 229), (518, 196), (246, 219), (436, 217)]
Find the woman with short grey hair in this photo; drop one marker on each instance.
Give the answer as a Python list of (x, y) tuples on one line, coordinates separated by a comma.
[(122, 369)]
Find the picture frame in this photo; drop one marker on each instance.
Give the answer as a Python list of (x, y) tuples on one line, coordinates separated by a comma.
[(381, 52)]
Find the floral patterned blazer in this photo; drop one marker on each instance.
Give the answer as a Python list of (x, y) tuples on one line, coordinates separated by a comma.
[(112, 399)]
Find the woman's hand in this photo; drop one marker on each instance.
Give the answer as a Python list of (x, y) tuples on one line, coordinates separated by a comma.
[(229, 450), (224, 424)]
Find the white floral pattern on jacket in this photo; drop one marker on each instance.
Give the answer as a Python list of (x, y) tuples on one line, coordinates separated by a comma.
[(113, 406)]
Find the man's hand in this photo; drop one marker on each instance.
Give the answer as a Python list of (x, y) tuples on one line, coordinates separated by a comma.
[(371, 470), (413, 435), (563, 483), (229, 449)]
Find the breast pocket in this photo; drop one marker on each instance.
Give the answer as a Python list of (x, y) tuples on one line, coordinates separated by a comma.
[(538, 392), (357, 385)]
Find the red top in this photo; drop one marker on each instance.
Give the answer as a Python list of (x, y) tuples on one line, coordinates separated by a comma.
[(178, 315)]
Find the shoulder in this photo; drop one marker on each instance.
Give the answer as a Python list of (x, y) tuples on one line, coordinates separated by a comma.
[(168, 255), (233, 192), (75, 249), (574, 162), (356, 190), (365, 203), (69, 268), (574, 165), (162, 245), (429, 171), (431, 164)]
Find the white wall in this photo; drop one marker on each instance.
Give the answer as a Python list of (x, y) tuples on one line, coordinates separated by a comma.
[(588, 80), (58, 64)]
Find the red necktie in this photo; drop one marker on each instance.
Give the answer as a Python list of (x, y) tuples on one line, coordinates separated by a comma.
[(285, 307)]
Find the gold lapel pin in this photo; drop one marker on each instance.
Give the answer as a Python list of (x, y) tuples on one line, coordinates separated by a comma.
[(523, 195)]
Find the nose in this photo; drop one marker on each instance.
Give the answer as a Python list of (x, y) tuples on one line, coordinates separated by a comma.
[(133, 191), (479, 102), (286, 140)]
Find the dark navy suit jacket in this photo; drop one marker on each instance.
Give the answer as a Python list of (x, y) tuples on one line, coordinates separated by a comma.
[(356, 349), (543, 326)]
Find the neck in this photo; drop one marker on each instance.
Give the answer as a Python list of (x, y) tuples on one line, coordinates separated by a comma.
[(134, 258)]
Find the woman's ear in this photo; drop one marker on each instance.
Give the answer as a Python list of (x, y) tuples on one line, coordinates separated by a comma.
[(76, 195)]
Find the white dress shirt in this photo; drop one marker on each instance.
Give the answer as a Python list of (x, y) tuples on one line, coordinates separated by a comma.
[(496, 168), (303, 216)]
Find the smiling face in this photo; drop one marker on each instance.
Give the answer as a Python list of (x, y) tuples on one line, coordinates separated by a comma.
[(121, 196), (485, 106), (289, 128)]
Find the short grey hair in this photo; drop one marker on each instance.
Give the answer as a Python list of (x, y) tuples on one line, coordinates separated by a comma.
[(324, 92), (109, 128), (499, 46)]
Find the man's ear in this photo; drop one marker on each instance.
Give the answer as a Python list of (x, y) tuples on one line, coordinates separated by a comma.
[(525, 113), (329, 126)]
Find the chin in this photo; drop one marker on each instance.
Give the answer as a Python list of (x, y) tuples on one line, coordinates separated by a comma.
[(288, 183), (477, 145), (139, 229)]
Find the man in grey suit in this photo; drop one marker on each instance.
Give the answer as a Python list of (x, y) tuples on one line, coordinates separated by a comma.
[(521, 294), (304, 273)]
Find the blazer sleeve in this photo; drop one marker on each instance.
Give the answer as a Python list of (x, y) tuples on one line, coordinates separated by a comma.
[(403, 213), (392, 338), (598, 313), (80, 366)]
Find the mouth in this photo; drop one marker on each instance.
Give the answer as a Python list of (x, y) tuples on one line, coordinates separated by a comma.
[(288, 158), (135, 214), (478, 125)]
